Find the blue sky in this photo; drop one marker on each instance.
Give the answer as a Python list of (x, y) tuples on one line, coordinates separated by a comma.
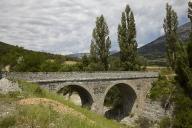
[(65, 26)]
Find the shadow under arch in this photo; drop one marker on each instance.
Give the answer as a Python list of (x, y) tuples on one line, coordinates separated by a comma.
[(119, 99), (86, 98)]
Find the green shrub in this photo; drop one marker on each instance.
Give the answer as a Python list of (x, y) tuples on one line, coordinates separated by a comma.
[(113, 97), (143, 122), (95, 67), (70, 68), (50, 66), (13, 94), (183, 110), (161, 89), (38, 91), (165, 122)]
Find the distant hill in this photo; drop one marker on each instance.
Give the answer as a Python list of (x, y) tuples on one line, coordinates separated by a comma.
[(10, 55), (155, 51), (6, 48), (80, 55), (157, 47)]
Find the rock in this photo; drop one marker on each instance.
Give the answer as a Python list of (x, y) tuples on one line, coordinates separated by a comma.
[(7, 86)]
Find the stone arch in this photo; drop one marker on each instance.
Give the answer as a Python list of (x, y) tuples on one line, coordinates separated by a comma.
[(85, 96), (124, 108)]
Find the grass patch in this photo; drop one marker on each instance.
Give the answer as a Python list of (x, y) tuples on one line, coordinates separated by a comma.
[(45, 117), (7, 122)]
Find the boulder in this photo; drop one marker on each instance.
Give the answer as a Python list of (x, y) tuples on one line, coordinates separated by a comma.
[(7, 86)]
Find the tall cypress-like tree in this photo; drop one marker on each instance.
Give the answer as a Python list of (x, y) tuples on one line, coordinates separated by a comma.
[(127, 39), (101, 42), (189, 49), (170, 28), (184, 63)]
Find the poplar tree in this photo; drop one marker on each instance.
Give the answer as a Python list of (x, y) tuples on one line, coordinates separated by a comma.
[(127, 40), (101, 42), (93, 54), (189, 49), (184, 63), (170, 28)]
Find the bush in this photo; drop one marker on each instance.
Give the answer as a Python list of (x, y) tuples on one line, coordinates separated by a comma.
[(95, 67), (183, 110), (165, 122), (161, 88), (13, 94), (50, 66), (70, 68), (30, 62), (115, 64), (113, 97), (38, 91), (127, 66), (143, 122)]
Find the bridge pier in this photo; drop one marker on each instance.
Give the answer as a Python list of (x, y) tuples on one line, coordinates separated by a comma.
[(98, 108)]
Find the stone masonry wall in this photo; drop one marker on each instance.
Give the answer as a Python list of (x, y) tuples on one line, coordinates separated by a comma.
[(154, 111), (81, 76)]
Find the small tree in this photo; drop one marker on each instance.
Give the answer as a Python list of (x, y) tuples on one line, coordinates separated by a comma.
[(170, 28), (127, 40), (100, 43)]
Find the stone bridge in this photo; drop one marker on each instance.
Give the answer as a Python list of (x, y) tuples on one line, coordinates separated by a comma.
[(94, 87)]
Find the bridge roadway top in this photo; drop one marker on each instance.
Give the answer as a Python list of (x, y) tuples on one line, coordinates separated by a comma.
[(78, 76)]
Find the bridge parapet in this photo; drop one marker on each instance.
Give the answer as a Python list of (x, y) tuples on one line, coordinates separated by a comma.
[(78, 76)]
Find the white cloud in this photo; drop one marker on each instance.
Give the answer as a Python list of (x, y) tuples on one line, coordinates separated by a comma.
[(65, 26)]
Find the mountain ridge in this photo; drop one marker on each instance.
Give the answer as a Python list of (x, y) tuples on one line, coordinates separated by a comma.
[(157, 47)]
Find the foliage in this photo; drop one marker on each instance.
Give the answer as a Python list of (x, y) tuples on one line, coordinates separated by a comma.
[(30, 62), (50, 66), (143, 122), (113, 97), (101, 43), (183, 110), (182, 117), (165, 122), (39, 92), (93, 53), (85, 61), (115, 64), (20, 59), (170, 28), (184, 68), (95, 67), (162, 89), (127, 40), (70, 68)]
